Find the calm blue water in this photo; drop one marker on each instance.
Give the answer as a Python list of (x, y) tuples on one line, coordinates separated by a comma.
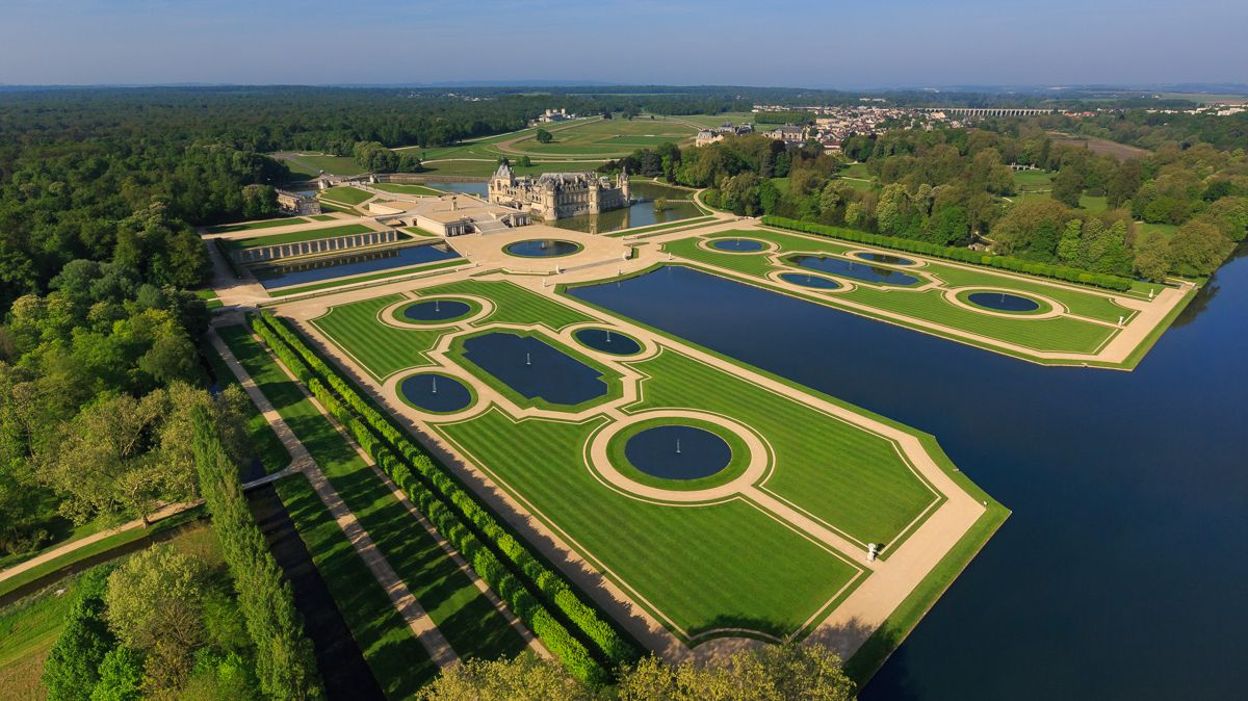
[(1004, 302), (678, 452), (435, 392), (858, 271), (276, 275), (541, 248), (737, 245), (886, 258), (818, 282), (608, 341), (1120, 574), (436, 310), (534, 368)]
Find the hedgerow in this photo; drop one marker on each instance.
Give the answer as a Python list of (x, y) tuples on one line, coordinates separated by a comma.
[(964, 255), (284, 661), (531, 588)]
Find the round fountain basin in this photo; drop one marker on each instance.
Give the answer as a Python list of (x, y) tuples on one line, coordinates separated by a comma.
[(1003, 302), (435, 392), (541, 248), (737, 245), (436, 310), (607, 341), (678, 452)]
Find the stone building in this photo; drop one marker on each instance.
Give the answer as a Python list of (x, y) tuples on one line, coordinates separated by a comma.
[(554, 196)]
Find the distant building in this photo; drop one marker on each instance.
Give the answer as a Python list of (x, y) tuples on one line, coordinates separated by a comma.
[(554, 196), (788, 133), (716, 134), (295, 203), (555, 115)]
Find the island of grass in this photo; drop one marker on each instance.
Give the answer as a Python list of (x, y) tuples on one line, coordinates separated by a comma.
[(298, 236), (1083, 322), (402, 189)]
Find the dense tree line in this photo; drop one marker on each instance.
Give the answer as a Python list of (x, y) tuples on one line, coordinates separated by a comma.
[(955, 187), (787, 672), (285, 668), (98, 379), (162, 624)]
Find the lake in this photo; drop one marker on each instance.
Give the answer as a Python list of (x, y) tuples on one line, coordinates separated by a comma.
[(1120, 573), (641, 213)]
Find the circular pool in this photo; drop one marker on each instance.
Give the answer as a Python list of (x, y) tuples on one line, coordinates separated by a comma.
[(436, 310), (885, 258), (435, 393), (541, 248), (735, 245), (1003, 302), (677, 452), (817, 282), (608, 341)]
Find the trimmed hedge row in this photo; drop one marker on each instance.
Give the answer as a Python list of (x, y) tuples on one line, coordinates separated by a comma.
[(964, 255), (285, 664), (499, 558)]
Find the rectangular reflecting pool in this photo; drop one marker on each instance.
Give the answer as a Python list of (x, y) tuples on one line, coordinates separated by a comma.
[(308, 270), (534, 368)]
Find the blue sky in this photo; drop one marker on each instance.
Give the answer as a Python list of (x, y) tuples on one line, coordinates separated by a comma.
[(828, 43)]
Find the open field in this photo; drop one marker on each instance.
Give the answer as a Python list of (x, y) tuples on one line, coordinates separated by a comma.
[(1086, 319), (1105, 147), (604, 137), (306, 166)]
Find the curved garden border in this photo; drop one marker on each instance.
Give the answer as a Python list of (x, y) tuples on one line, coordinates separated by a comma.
[(480, 308), (957, 297), (768, 248)]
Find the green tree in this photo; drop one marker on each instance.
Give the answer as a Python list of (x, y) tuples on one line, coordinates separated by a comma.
[(71, 670), (1068, 186), (771, 673), (121, 676), (1198, 248), (526, 678), (544, 137), (1152, 256), (1070, 243)]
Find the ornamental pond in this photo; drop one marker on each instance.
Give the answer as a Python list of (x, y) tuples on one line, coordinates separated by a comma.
[(534, 368), (852, 269), (1129, 497), (677, 452), (304, 271)]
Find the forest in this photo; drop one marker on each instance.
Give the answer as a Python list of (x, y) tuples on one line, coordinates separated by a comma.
[(1179, 210)]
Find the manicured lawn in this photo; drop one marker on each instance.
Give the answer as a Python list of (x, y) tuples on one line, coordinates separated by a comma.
[(407, 189), (322, 217), (751, 569), (607, 138), (1063, 333), (417, 231), (297, 236), (468, 620), (697, 568), (345, 194), (309, 165), (394, 272), (249, 226), (383, 349), (1033, 180), (852, 480)]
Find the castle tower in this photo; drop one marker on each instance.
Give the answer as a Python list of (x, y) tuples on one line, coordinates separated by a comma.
[(549, 201), (595, 191), (501, 183), (621, 181)]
